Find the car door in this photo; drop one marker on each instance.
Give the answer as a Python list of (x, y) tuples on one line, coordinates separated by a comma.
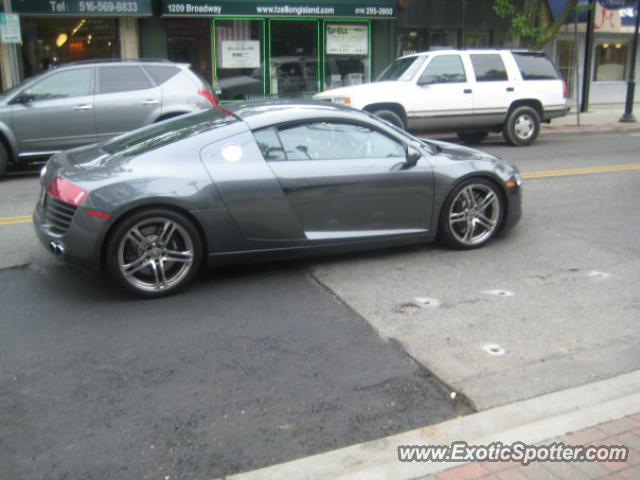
[(443, 95), (125, 100), (348, 180), (55, 113), (493, 90)]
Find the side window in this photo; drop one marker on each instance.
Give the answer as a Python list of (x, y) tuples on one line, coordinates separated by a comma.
[(535, 66), (122, 79), (333, 141), (70, 83), (444, 69), (488, 67), (161, 73), (269, 144)]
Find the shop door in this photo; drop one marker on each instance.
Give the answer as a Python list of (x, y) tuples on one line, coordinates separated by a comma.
[(294, 58)]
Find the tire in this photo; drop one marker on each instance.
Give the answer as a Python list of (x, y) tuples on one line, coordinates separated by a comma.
[(522, 126), (391, 117), (138, 243), (4, 159), (472, 138), (464, 222)]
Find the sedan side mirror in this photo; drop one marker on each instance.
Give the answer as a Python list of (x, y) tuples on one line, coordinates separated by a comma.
[(26, 96), (413, 155)]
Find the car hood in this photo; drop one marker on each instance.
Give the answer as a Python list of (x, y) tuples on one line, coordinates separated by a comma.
[(353, 90)]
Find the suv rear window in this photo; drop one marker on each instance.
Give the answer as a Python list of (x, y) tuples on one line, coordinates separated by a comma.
[(488, 67), (535, 66), (161, 73)]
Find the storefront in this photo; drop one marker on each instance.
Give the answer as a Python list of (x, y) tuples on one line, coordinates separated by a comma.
[(252, 49), (611, 54), (62, 31)]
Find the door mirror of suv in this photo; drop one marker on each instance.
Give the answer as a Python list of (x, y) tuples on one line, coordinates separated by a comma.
[(413, 155), (26, 96)]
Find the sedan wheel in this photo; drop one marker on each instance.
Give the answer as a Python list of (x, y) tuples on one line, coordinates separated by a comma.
[(154, 253), (472, 215)]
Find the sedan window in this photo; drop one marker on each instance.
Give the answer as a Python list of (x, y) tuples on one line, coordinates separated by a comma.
[(269, 144), (70, 83), (122, 79), (332, 141)]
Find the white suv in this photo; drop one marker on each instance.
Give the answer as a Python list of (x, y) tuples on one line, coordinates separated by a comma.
[(471, 92)]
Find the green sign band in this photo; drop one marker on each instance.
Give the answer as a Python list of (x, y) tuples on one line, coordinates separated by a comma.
[(281, 8), (83, 7)]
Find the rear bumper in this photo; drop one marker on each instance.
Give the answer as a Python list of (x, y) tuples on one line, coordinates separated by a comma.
[(556, 112), (79, 245)]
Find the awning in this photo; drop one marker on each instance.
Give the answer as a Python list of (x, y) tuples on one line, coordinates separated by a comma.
[(626, 7), (88, 8), (281, 8)]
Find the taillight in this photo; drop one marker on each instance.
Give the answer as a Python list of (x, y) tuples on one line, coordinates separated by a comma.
[(67, 192), (564, 89), (209, 96)]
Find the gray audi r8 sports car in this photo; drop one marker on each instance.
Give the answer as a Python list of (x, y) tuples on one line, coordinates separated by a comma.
[(260, 181)]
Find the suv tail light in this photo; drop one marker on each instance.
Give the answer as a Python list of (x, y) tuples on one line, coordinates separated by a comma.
[(209, 96), (564, 89), (67, 192)]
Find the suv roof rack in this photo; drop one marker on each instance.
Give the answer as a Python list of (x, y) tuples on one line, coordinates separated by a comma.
[(121, 60)]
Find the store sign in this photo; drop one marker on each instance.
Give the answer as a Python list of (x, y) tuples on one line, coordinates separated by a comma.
[(240, 54), (83, 7), (347, 39), (10, 29), (279, 8)]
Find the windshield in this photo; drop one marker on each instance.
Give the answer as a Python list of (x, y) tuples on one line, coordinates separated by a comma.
[(163, 133), (403, 69)]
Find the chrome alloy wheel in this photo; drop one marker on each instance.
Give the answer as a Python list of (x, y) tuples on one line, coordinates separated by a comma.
[(524, 126), (474, 214), (155, 254)]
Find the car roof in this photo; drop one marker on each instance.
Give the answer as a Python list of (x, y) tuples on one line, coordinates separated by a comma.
[(263, 114), (472, 50)]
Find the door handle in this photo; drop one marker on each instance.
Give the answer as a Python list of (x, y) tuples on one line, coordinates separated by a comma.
[(151, 102), (467, 90), (83, 107), (509, 89)]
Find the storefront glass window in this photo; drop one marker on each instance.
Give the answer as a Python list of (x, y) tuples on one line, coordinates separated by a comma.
[(239, 57), (294, 58), (48, 42), (476, 39), (189, 41), (443, 39), (610, 62), (347, 54)]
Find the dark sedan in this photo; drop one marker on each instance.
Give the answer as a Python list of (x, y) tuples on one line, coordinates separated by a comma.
[(266, 180)]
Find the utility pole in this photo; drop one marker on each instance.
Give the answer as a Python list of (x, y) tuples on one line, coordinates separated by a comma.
[(11, 52), (631, 81), (588, 48)]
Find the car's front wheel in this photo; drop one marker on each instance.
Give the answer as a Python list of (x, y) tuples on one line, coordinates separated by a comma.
[(472, 214), (154, 252), (391, 117), (522, 126)]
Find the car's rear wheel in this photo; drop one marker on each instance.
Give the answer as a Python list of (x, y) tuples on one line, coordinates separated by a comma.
[(472, 214), (4, 159), (391, 117), (154, 253), (471, 138), (522, 126)]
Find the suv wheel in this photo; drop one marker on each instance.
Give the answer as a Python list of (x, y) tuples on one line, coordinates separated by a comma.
[(391, 117), (522, 126), (4, 159), (471, 138)]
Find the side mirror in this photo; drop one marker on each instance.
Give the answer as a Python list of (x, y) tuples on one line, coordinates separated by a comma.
[(413, 155), (427, 81), (26, 96)]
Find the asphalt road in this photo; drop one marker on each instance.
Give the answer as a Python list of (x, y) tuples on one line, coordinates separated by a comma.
[(257, 365)]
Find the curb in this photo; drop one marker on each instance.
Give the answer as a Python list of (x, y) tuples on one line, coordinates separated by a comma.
[(530, 421)]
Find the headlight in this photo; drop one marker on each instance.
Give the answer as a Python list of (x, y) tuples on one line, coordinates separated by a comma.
[(517, 177), (346, 101)]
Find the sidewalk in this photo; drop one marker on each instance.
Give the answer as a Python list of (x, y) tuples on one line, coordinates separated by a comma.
[(621, 432), (599, 117)]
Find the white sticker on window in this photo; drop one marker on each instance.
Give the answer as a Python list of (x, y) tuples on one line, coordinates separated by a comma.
[(232, 152)]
